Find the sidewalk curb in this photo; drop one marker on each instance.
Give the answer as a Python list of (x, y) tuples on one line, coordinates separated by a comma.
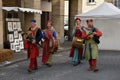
[(24, 59)]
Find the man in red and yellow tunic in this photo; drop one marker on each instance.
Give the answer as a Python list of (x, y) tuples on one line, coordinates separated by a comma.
[(48, 44), (33, 38)]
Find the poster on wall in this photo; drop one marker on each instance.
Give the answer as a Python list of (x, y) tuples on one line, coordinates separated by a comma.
[(20, 37), (16, 34), (14, 25), (17, 42), (17, 48), (10, 26), (12, 46), (19, 26), (21, 45), (11, 38)]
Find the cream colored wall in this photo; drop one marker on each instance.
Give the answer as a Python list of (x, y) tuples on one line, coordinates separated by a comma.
[(46, 6), (79, 6), (1, 25), (37, 5), (28, 4), (86, 6), (110, 1), (34, 4)]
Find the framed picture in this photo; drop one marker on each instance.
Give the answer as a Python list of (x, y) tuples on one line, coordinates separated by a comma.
[(17, 48), (21, 45), (10, 37), (20, 37), (12, 46), (19, 26), (16, 34), (14, 25), (17, 42), (10, 26)]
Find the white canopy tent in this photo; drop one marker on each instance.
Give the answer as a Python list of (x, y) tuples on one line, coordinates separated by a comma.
[(107, 18), (104, 11)]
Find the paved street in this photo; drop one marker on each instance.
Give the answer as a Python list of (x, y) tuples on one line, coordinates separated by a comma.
[(62, 69)]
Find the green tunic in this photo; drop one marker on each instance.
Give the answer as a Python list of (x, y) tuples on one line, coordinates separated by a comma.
[(91, 51)]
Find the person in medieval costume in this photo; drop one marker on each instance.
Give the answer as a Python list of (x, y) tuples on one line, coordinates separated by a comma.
[(91, 45), (48, 44), (34, 35), (77, 49)]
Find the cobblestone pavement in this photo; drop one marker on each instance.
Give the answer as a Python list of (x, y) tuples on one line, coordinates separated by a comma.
[(62, 69)]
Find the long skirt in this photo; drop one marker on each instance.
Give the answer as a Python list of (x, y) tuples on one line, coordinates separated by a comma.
[(47, 55), (76, 54), (91, 50)]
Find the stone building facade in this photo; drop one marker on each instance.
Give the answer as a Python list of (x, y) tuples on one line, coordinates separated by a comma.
[(51, 10)]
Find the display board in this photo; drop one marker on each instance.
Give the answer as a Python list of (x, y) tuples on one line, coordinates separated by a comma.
[(14, 34)]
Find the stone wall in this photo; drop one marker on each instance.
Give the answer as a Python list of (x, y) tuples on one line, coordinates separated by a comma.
[(1, 25), (34, 4), (58, 17), (75, 7), (86, 6)]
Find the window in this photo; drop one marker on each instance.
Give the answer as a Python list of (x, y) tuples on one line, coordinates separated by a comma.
[(117, 3), (91, 1)]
